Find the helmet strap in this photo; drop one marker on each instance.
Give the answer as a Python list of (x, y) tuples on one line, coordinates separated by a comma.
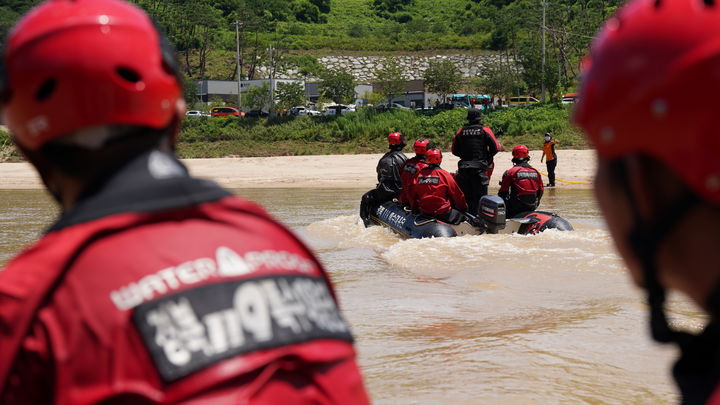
[(696, 371), (645, 239)]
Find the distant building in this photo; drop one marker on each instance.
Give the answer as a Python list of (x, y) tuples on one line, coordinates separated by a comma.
[(227, 90), (414, 95), (312, 91)]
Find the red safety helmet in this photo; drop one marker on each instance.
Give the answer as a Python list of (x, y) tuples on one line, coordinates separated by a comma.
[(650, 89), (72, 65), (520, 152), (433, 156), (421, 146), (396, 138)]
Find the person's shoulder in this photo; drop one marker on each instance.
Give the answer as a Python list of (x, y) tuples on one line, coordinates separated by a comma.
[(248, 206), (399, 156), (387, 156)]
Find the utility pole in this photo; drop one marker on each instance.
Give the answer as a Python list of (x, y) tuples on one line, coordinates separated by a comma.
[(542, 81), (237, 58), (272, 94)]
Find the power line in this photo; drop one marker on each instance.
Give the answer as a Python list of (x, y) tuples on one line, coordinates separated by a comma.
[(557, 31), (544, 28)]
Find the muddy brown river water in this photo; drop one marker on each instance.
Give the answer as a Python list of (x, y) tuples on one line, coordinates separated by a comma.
[(494, 319)]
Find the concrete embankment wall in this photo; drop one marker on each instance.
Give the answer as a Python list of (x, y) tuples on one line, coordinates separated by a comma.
[(414, 66)]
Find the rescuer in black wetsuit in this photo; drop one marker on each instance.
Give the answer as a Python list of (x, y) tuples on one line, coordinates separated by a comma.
[(475, 148), (388, 175)]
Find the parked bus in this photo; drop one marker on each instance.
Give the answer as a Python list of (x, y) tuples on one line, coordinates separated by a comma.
[(481, 101)]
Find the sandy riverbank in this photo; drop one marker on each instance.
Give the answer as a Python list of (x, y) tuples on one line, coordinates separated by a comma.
[(333, 171)]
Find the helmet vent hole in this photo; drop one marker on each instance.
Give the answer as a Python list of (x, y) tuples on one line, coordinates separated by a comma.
[(658, 3), (46, 89), (709, 3), (128, 74)]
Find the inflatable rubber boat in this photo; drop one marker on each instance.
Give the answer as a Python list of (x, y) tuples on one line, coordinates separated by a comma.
[(491, 219)]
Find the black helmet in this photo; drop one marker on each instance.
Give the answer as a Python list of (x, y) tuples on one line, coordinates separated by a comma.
[(474, 115)]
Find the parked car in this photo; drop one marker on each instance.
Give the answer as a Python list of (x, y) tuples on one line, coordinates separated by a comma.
[(338, 109), (298, 110), (522, 100), (196, 114), (256, 113), (224, 112), (570, 98), (385, 106), (445, 106)]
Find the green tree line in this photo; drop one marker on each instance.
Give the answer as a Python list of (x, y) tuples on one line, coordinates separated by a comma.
[(204, 33)]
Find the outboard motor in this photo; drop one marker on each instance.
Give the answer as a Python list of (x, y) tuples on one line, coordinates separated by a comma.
[(492, 213)]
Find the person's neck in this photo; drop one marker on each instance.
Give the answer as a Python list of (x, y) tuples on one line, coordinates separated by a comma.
[(66, 190), (683, 258)]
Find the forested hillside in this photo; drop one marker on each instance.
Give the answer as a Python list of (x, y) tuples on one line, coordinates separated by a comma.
[(204, 31)]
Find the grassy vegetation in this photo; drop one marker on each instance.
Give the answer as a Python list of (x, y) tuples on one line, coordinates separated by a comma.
[(526, 125), (8, 152), (351, 23), (365, 131), (360, 132)]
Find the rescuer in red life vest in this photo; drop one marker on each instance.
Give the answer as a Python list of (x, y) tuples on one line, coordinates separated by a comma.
[(648, 104), (152, 287), (435, 192), (521, 186), (412, 167)]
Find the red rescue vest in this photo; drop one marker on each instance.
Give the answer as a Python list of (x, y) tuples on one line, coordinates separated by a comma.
[(126, 311)]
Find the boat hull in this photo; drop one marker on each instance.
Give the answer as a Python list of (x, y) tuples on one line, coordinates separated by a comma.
[(410, 225)]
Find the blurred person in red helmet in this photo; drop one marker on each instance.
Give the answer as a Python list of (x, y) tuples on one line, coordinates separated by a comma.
[(475, 145), (411, 168), (521, 186), (152, 287), (658, 174), (388, 176), (435, 192)]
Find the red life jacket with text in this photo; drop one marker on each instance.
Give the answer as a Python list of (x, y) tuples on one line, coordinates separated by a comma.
[(436, 192), (522, 181), (408, 172), (185, 292)]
